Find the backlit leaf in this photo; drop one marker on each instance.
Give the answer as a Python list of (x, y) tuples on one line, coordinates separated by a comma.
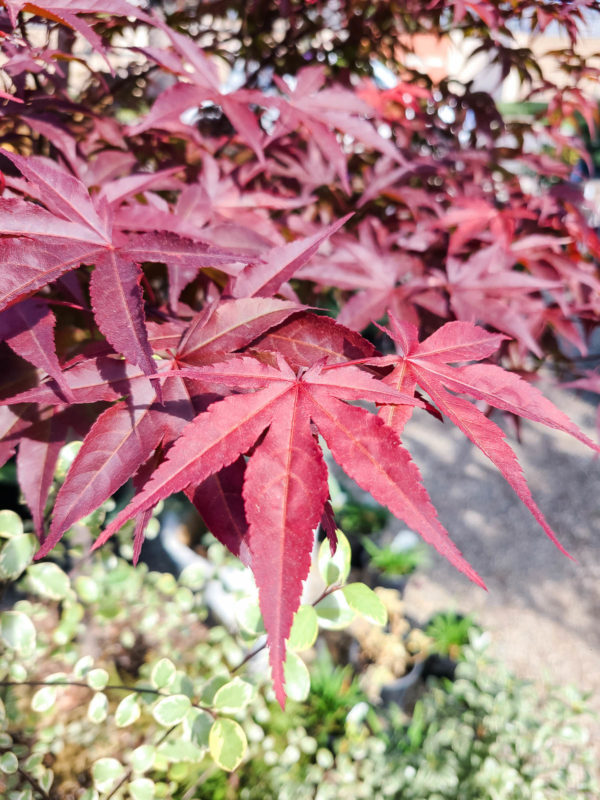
[(305, 629), (171, 710), (365, 602), (15, 555), (48, 580), (233, 696), (227, 743), (297, 677), (128, 711), (105, 773), (334, 569), (17, 632)]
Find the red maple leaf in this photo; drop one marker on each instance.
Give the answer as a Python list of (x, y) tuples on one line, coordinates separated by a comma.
[(285, 486), (44, 245), (427, 364), (127, 434)]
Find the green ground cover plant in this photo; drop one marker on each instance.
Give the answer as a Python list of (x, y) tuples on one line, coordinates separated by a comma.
[(235, 235), (115, 683)]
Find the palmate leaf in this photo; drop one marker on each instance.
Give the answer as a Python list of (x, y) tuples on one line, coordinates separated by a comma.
[(45, 245), (427, 364), (104, 378), (39, 448), (122, 438), (307, 338), (285, 486), (28, 329), (232, 217), (192, 63), (284, 493), (231, 325), (321, 111), (220, 503), (282, 263), (66, 12)]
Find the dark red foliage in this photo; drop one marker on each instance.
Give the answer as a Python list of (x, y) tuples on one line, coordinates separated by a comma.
[(194, 242)]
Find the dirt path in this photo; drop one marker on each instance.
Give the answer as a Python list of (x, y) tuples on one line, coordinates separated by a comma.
[(542, 610)]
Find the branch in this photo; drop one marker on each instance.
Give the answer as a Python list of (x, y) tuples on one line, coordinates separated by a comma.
[(34, 784), (329, 590), (129, 772), (108, 687)]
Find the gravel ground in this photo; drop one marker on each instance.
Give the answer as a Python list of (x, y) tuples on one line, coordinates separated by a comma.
[(542, 609)]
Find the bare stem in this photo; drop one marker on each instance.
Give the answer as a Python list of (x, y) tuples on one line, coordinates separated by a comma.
[(129, 772), (249, 656), (34, 784), (108, 687)]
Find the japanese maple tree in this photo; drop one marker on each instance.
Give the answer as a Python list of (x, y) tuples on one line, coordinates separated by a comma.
[(232, 233)]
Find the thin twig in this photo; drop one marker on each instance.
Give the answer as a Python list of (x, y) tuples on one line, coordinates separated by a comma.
[(129, 772), (203, 777), (118, 687), (34, 784), (108, 687), (249, 656), (329, 590)]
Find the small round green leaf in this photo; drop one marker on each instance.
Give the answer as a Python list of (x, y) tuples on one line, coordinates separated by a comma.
[(304, 629), (16, 554), (210, 688), (9, 763), (365, 602), (48, 580), (180, 750), (249, 617), (334, 612), (127, 711), (199, 723), (335, 568), (166, 584), (97, 678), (17, 672), (83, 666), (297, 678), (87, 589), (66, 458), (141, 789), (34, 762), (142, 758), (17, 632), (106, 772), (163, 673), (233, 696), (98, 708), (10, 524), (171, 710), (44, 698), (227, 744), (46, 779), (194, 576)]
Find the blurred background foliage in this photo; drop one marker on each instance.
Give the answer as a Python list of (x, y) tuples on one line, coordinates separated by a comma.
[(128, 682)]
